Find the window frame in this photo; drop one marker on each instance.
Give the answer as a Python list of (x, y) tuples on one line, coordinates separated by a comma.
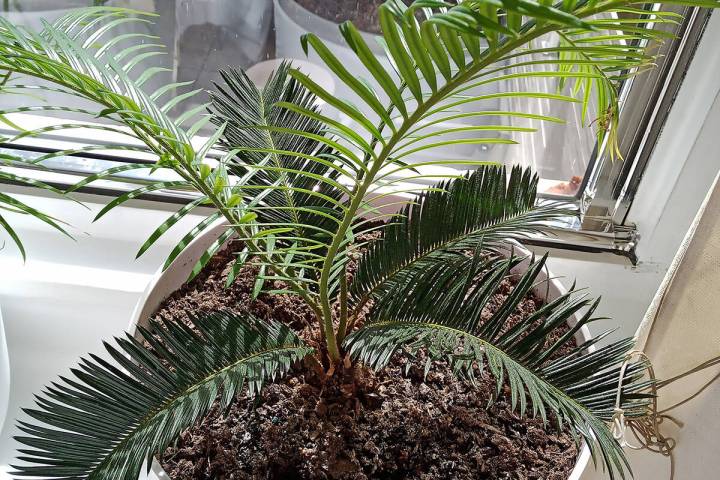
[(603, 200), (611, 186), (608, 194)]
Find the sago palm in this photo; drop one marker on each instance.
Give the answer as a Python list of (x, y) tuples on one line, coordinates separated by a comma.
[(298, 188)]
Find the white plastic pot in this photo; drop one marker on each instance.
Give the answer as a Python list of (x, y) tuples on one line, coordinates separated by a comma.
[(4, 374), (164, 283)]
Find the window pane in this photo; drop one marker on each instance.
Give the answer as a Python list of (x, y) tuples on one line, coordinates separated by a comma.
[(204, 35)]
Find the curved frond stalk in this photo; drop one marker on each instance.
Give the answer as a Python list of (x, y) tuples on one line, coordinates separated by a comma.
[(456, 47), (483, 208), (440, 310), (113, 417)]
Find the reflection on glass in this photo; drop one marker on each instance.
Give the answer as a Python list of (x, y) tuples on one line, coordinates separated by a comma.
[(203, 36)]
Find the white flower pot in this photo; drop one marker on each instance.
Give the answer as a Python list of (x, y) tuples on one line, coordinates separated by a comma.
[(164, 283), (4, 374)]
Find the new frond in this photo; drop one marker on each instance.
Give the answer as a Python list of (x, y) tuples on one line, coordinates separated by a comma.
[(290, 172)]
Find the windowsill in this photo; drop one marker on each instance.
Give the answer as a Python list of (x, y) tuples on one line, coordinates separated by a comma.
[(66, 171)]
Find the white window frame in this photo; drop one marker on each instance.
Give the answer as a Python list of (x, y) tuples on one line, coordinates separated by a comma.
[(604, 199)]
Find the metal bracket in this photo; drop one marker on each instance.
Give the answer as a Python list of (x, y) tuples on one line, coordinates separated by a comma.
[(618, 240)]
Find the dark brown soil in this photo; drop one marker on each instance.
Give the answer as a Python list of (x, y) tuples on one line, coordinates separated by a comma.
[(363, 13), (207, 293), (388, 425)]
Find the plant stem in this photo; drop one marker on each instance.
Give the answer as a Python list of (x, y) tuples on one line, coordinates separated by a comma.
[(342, 327), (379, 162)]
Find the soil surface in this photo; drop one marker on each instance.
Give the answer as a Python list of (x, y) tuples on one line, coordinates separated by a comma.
[(388, 425), (363, 13)]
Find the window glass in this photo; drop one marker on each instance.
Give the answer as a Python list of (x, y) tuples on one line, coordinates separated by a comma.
[(203, 36)]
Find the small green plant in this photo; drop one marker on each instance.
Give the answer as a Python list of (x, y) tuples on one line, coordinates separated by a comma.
[(298, 187)]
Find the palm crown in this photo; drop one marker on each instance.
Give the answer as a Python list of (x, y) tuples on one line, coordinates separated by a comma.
[(297, 186)]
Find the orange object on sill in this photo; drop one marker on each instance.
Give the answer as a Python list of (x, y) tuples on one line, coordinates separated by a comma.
[(566, 188)]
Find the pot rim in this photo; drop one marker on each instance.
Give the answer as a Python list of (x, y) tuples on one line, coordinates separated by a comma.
[(307, 21), (326, 29), (165, 282)]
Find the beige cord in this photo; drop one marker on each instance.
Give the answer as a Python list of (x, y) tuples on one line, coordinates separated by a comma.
[(646, 429)]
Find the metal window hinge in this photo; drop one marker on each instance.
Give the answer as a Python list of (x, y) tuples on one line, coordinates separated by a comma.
[(612, 238)]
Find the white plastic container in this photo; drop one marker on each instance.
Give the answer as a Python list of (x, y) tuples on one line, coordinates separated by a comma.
[(164, 283)]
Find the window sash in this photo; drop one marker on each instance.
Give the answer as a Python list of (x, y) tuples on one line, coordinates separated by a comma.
[(611, 188), (604, 197)]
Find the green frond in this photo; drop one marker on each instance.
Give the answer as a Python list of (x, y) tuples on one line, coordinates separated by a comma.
[(484, 207), (66, 53), (289, 168), (439, 309), (108, 173), (79, 56), (465, 43), (112, 417)]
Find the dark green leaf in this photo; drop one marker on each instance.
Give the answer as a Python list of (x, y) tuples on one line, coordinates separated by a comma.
[(440, 308), (112, 416), (404, 62), (484, 207)]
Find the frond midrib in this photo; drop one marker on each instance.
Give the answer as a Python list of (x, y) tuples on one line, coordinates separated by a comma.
[(94, 94), (167, 405)]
